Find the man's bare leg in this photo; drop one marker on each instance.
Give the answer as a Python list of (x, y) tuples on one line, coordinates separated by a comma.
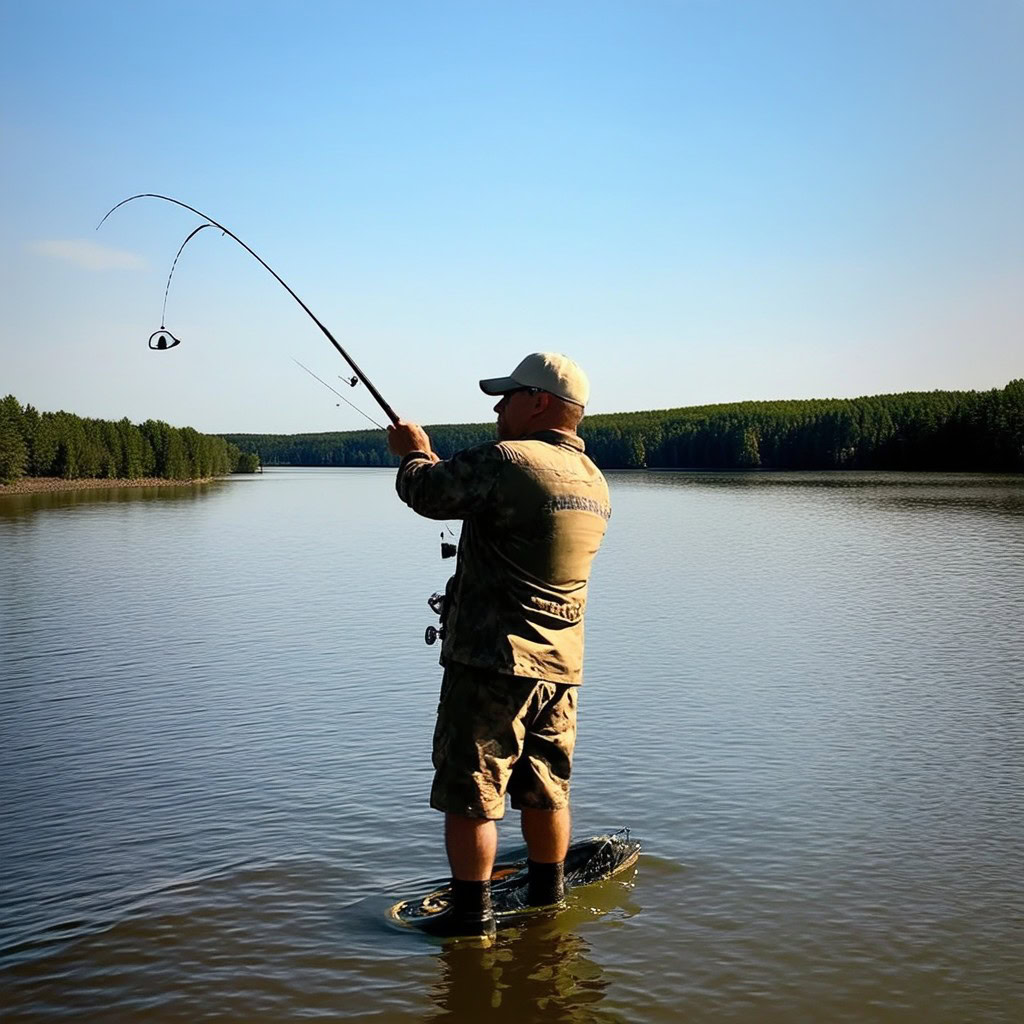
[(547, 834), (547, 839), (472, 844)]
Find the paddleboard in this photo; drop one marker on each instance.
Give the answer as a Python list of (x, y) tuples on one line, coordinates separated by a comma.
[(590, 860)]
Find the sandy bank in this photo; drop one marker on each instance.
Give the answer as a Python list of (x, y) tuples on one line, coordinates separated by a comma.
[(36, 484)]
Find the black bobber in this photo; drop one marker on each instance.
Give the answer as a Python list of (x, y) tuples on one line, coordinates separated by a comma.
[(160, 341)]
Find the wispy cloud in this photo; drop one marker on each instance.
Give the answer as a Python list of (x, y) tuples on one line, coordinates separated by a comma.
[(89, 255)]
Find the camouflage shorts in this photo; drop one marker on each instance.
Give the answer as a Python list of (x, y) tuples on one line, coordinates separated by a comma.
[(497, 734)]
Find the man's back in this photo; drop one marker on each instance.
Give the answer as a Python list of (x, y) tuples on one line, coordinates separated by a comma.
[(535, 511)]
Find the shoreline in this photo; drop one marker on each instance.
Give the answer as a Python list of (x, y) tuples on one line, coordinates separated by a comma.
[(48, 484)]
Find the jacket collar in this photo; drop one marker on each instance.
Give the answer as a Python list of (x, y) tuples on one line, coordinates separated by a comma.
[(558, 437)]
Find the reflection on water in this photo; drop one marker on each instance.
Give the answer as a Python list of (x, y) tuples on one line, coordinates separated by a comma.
[(542, 971), (21, 506), (989, 494), (550, 978), (804, 693), (857, 480)]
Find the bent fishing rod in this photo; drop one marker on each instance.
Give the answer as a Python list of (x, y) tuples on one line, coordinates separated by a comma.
[(162, 339)]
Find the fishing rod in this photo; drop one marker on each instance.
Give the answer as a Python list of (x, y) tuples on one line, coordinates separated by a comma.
[(162, 339)]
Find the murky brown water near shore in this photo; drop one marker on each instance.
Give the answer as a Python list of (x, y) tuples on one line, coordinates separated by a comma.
[(805, 693)]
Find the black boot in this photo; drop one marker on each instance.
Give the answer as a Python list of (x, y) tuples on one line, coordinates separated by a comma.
[(469, 916), (546, 883)]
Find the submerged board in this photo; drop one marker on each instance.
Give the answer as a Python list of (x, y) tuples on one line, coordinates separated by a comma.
[(588, 860)]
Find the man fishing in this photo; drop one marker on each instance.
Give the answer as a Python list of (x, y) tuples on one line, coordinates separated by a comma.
[(534, 511)]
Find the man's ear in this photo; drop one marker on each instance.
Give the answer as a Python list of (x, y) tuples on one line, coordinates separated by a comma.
[(541, 402)]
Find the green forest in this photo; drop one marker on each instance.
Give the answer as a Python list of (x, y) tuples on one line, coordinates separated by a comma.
[(933, 430), (64, 445)]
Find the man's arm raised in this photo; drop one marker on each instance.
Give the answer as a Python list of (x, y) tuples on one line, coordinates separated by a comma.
[(451, 488)]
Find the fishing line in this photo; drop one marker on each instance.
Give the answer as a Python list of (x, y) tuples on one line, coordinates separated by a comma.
[(163, 312), (338, 393), (163, 339), (447, 550)]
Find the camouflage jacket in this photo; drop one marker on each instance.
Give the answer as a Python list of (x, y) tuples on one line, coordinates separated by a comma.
[(534, 513)]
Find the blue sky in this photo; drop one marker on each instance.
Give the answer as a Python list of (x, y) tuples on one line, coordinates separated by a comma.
[(699, 201)]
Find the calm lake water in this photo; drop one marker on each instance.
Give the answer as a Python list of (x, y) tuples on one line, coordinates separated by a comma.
[(804, 693)]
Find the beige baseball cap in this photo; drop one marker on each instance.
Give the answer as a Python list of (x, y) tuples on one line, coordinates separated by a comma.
[(547, 371)]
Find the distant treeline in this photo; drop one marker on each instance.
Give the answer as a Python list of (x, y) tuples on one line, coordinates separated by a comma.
[(934, 430), (62, 444), (352, 448)]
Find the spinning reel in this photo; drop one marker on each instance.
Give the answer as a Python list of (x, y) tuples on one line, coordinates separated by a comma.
[(437, 601), (435, 633)]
